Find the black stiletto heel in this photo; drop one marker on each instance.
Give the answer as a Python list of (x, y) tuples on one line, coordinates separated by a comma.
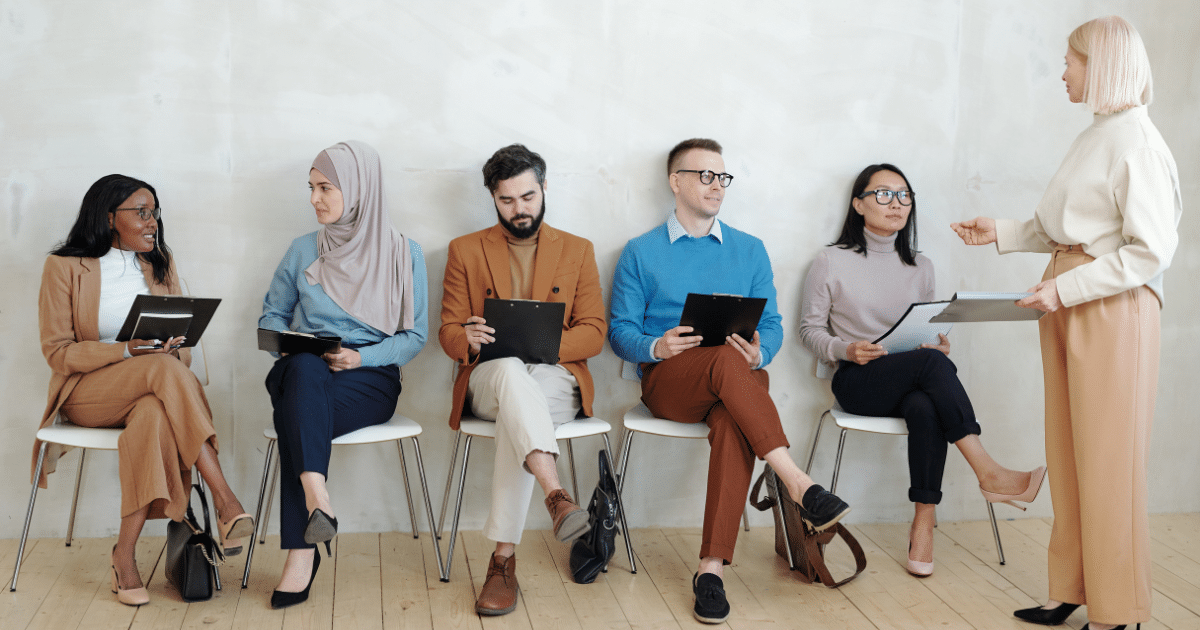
[(1046, 617), (283, 599), (321, 528)]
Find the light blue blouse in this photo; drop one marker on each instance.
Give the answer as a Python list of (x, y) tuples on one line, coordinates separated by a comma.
[(293, 304)]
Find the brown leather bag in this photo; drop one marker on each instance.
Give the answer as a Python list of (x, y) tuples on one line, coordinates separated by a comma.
[(796, 541)]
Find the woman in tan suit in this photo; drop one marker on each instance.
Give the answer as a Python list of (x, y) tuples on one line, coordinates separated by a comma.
[(1109, 219), (115, 251)]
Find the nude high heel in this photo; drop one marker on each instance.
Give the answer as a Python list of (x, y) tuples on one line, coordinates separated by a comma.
[(1031, 491), (129, 597)]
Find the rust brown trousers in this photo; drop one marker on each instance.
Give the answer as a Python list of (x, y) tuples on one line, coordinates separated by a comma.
[(717, 386), (156, 398), (1100, 360)]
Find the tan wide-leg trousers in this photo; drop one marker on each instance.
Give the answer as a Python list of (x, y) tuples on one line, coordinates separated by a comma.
[(526, 401), (1100, 361), (166, 418)]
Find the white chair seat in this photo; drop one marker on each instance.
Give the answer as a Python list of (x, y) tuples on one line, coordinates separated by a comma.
[(398, 428), (641, 420), (583, 427), (67, 434), (869, 424)]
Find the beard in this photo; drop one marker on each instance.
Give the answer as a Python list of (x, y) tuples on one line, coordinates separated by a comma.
[(523, 232)]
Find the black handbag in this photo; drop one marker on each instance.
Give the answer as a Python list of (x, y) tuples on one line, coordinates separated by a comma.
[(796, 542), (192, 554), (592, 551)]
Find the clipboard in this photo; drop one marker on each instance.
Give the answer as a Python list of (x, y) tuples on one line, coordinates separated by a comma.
[(916, 326), (719, 315), (292, 342), (977, 306), (526, 329), (164, 316)]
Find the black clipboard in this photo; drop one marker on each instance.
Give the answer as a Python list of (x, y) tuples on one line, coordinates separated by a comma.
[(164, 316), (526, 329), (291, 342), (718, 316)]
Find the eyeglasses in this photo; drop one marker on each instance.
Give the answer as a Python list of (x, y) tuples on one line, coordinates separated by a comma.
[(706, 177), (143, 213), (884, 196)]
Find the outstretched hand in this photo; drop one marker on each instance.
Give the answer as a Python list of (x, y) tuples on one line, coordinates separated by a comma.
[(977, 231)]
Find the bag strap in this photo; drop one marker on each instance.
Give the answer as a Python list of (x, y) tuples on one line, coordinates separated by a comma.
[(607, 480), (218, 555), (817, 559), (766, 502)]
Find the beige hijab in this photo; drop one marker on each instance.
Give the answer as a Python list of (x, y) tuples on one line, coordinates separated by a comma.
[(363, 264)]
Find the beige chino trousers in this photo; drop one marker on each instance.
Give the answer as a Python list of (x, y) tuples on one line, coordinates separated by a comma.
[(526, 401), (1100, 360)]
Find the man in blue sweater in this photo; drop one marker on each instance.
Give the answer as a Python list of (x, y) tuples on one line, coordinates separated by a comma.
[(723, 385)]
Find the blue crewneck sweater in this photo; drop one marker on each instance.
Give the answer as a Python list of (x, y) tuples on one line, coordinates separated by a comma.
[(654, 276)]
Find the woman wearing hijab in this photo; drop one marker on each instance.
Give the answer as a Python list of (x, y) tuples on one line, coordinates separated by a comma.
[(1109, 220), (114, 252), (359, 279)]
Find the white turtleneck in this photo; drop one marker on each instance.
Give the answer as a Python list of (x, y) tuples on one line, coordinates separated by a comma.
[(121, 279), (852, 297)]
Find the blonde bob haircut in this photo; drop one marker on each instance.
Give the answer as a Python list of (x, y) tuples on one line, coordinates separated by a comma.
[(1118, 70)]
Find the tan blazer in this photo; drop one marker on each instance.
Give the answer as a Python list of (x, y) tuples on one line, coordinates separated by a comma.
[(68, 319), (564, 270)]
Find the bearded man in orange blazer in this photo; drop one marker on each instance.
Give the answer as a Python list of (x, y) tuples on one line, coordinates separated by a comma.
[(521, 258)]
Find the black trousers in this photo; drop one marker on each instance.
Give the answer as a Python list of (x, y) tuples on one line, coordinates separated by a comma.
[(313, 405), (922, 387)]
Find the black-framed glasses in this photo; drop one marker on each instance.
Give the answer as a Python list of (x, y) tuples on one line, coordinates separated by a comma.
[(884, 196), (706, 177), (142, 212)]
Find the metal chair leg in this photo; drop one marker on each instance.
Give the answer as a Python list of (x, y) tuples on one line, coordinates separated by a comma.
[(274, 483), (449, 479), (75, 497), (462, 482), (812, 453), (412, 512), (621, 504), (996, 532), (37, 474), (624, 461), (259, 524), (428, 507), (574, 477), (837, 465), (746, 518)]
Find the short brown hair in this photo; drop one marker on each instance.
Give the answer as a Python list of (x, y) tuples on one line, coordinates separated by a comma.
[(687, 145)]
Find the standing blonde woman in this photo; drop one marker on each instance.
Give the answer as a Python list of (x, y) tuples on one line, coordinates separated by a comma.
[(1109, 219)]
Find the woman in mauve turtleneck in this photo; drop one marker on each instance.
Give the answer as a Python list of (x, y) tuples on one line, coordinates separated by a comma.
[(856, 290)]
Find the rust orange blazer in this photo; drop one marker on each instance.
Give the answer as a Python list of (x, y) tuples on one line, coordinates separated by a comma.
[(564, 270), (68, 319)]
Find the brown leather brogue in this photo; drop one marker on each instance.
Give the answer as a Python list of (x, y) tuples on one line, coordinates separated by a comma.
[(570, 520), (499, 593)]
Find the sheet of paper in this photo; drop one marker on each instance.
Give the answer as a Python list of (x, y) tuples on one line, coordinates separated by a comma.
[(915, 328)]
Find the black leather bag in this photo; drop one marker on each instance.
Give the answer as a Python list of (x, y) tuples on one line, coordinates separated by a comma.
[(592, 551), (192, 554), (802, 547)]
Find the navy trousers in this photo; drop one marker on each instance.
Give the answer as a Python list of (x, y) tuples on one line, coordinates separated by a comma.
[(312, 406), (921, 386)]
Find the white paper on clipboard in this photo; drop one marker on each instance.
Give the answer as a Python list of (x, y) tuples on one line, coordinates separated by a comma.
[(915, 328)]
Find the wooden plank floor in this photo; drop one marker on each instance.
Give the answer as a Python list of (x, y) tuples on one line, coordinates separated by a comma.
[(391, 581)]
